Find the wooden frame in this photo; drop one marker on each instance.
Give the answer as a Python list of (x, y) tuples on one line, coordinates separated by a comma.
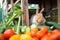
[(14, 4), (25, 15), (58, 4)]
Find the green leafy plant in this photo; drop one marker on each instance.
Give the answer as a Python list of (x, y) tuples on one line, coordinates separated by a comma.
[(10, 18)]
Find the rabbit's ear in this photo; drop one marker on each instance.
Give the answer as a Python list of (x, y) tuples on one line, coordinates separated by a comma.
[(42, 10), (37, 11)]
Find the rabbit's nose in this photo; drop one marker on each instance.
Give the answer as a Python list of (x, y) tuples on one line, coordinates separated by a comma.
[(40, 21)]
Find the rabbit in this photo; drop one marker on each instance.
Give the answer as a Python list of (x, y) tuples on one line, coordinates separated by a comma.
[(38, 18)]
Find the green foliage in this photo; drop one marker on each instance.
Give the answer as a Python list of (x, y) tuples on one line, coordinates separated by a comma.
[(18, 26), (56, 25), (0, 14), (2, 27), (17, 10), (9, 21)]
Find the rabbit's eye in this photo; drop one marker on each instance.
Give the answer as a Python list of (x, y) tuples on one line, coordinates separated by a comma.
[(36, 19)]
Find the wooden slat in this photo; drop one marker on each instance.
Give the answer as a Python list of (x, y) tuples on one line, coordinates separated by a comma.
[(42, 4), (47, 4), (12, 6), (25, 18), (58, 4), (27, 14), (6, 5)]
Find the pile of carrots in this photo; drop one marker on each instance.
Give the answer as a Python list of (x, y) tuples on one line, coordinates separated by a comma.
[(33, 34), (43, 34)]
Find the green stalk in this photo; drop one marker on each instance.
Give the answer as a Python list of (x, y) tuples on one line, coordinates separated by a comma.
[(16, 13), (18, 27), (11, 19)]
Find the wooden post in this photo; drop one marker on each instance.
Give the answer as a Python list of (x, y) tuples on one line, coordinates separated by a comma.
[(58, 4), (6, 6), (47, 4), (12, 6), (25, 15), (42, 4)]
